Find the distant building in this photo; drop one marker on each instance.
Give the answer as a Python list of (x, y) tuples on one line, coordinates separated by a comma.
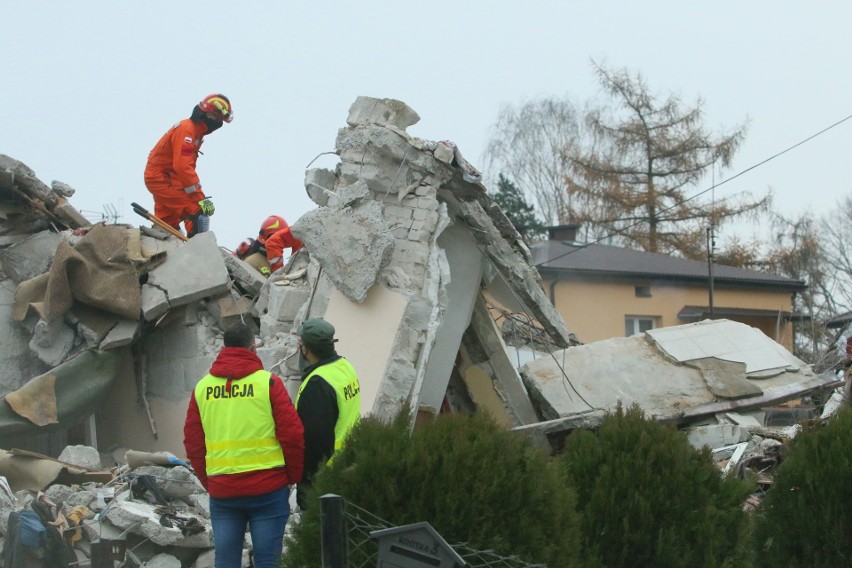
[(604, 291)]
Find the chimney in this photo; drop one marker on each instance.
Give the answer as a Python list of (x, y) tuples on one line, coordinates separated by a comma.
[(563, 232)]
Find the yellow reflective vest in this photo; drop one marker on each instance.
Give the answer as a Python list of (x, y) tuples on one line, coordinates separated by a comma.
[(239, 429), (341, 376)]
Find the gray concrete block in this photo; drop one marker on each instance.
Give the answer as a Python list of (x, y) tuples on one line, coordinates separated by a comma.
[(367, 110), (26, 180), (30, 257), (191, 272), (84, 456), (154, 302), (352, 268), (52, 342), (228, 311), (123, 333), (249, 279)]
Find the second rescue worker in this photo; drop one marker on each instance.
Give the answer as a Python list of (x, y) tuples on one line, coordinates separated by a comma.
[(170, 173)]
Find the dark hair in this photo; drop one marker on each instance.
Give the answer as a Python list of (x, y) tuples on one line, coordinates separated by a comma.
[(239, 335), (322, 350)]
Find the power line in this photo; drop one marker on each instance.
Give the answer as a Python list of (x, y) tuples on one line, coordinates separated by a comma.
[(702, 192)]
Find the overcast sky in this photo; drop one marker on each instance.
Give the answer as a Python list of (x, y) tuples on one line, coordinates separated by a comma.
[(88, 87)]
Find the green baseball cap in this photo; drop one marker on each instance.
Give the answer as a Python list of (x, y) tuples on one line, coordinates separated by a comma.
[(316, 331)]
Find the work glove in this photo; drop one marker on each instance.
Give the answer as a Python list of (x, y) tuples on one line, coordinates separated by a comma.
[(207, 206), (265, 271)]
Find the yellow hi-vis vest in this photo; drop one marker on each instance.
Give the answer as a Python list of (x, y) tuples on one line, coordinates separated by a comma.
[(239, 428), (340, 375)]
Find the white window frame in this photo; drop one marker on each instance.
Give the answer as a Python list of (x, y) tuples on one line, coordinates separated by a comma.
[(633, 324)]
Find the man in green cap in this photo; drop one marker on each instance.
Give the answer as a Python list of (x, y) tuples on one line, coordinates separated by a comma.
[(329, 398)]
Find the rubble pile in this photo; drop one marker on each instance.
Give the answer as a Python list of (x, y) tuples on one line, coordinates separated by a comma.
[(106, 328), (75, 510)]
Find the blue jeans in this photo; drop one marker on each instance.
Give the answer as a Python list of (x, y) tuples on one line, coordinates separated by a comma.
[(265, 516)]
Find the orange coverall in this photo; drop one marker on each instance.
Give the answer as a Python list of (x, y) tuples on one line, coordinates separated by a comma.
[(171, 168), (276, 244)]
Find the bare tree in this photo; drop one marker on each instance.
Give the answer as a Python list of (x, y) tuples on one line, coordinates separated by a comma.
[(837, 241), (527, 145), (797, 250), (647, 153)]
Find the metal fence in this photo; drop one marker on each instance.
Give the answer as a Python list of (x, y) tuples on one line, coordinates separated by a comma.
[(362, 550)]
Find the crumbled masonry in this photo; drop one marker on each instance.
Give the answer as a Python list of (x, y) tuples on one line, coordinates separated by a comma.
[(106, 328)]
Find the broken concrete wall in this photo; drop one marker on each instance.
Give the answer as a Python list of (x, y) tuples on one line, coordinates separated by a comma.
[(420, 233)]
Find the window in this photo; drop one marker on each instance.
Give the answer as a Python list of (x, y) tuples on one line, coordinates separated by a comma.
[(638, 324), (643, 291)]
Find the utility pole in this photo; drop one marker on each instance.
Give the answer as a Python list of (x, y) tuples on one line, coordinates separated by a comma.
[(711, 245)]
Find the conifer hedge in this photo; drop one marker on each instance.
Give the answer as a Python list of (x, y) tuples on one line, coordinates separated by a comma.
[(472, 480), (648, 498), (806, 518)]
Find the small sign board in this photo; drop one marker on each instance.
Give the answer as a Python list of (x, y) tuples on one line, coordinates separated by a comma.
[(415, 546)]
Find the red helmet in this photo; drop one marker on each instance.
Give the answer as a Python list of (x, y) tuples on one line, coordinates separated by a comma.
[(219, 104), (243, 248), (270, 226)]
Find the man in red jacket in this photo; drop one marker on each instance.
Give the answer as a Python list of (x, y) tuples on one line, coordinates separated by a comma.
[(245, 442), (170, 173)]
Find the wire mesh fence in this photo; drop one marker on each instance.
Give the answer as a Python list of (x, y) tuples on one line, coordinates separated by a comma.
[(363, 550)]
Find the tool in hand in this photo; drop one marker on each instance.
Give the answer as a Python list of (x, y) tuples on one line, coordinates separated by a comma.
[(142, 212)]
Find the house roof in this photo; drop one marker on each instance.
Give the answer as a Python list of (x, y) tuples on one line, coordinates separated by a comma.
[(555, 257), (839, 320), (702, 312)]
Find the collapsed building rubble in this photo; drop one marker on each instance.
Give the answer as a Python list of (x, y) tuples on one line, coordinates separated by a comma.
[(108, 327), (714, 378)]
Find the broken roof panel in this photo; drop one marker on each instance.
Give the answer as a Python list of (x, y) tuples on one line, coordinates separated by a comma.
[(724, 339), (593, 378)]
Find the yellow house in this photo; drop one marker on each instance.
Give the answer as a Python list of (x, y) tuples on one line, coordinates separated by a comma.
[(604, 291)]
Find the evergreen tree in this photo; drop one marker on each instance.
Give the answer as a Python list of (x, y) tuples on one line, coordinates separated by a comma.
[(805, 518), (648, 498), (473, 481), (513, 203)]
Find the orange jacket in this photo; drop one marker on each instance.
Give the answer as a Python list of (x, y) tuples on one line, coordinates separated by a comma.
[(276, 244), (175, 154)]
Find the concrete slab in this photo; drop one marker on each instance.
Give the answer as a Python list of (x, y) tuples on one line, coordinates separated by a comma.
[(154, 302), (726, 379), (717, 436), (30, 257), (249, 279), (724, 339), (459, 292), (598, 375), (191, 272), (123, 333)]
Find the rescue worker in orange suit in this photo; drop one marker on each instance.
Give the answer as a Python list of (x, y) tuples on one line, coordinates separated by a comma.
[(170, 173), (274, 236)]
